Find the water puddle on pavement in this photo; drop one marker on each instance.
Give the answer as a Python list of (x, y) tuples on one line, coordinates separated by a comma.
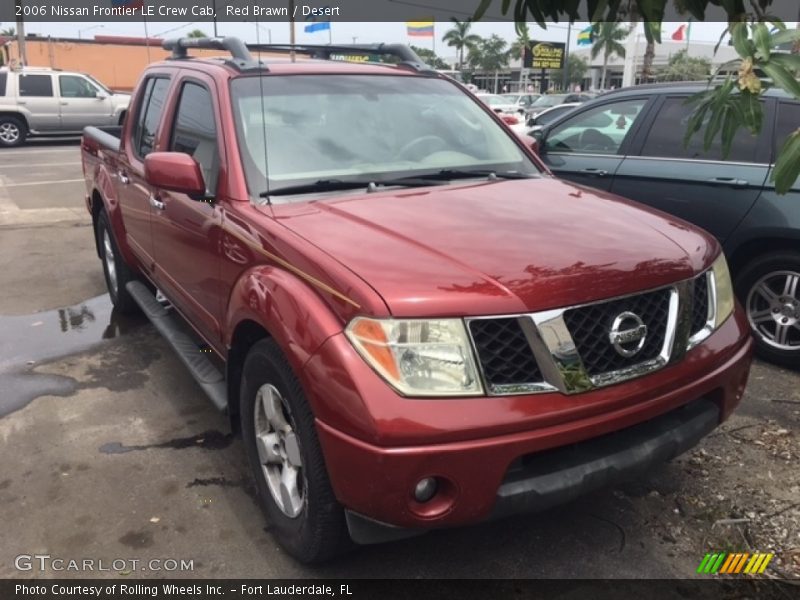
[(38, 337), (28, 340)]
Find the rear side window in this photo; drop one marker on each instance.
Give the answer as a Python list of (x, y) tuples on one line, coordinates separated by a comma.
[(35, 86), (195, 132), (72, 86), (788, 121), (665, 138), (149, 115), (3, 77)]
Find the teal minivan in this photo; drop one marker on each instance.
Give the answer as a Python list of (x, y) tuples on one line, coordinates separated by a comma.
[(630, 142)]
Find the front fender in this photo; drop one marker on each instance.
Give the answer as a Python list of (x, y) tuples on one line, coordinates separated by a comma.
[(286, 307)]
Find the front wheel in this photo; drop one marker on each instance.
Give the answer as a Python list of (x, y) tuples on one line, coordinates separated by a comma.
[(769, 288), (286, 459)]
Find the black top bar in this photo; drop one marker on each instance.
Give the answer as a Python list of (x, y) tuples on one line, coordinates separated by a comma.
[(242, 59), (239, 52), (402, 52)]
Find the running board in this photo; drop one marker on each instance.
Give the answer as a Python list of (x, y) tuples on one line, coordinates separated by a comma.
[(206, 374)]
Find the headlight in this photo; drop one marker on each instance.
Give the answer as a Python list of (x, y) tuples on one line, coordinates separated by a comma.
[(723, 290), (418, 357)]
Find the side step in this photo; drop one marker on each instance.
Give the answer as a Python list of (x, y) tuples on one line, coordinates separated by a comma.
[(203, 370)]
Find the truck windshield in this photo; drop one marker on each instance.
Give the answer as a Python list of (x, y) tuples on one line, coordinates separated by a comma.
[(295, 131)]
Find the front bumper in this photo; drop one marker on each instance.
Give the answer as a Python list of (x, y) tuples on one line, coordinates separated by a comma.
[(524, 456)]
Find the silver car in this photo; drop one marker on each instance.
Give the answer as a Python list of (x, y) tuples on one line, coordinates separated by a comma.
[(36, 101)]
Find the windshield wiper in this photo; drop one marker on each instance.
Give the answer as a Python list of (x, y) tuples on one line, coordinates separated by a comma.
[(449, 174), (334, 185)]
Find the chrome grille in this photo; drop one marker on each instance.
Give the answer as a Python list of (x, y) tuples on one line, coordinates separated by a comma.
[(503, 352), (585, 347), (700, 304), (590, 326)]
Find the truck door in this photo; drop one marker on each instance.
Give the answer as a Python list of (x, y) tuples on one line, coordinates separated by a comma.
[(36, 95), (82, 103), (133, 190), (186, 231)]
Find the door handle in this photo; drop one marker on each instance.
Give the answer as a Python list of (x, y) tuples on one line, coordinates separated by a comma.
[(595, 172), (729, 181), (65, 104), (22, 101), (156, 203), (123, 177)]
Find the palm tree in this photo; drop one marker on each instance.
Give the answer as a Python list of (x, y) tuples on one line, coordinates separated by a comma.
[(523, 41), (196, 33), (8, 32), (490, 56), (461, 39), (607, 39)]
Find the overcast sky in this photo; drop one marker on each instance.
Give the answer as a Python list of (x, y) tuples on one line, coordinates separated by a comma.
[(341, 32)]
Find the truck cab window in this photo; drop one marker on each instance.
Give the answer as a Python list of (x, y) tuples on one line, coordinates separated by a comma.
[(35, 86), (3, 78), (150, 109), (195, 133)]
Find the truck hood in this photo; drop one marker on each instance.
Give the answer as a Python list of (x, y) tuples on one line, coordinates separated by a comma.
[(499, 247)]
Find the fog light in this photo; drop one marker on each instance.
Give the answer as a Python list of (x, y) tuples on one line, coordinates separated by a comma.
[(425, 490)]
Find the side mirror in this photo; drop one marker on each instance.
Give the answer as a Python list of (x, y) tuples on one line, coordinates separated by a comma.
[(101, 95), (176, 172), (538, 140), (529, 141)]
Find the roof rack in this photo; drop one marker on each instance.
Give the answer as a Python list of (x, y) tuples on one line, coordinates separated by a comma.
[(243, 60), (406, 55), (240, 55)]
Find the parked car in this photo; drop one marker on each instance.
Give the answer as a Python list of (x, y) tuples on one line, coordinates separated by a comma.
[(36, 101), (422, 329), (498, 103), (548, 115), (549, 100), (630, 142), (522, 101)]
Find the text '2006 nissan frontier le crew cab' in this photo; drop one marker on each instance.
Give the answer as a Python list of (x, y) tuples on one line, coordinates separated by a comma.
[(412, 322)]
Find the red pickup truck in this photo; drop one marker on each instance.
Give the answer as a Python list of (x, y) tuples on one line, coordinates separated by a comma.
[(413, 324)]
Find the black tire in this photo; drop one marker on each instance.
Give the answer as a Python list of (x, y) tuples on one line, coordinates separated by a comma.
[(318, 531), (13, 131), (774, 270), (116, 282)]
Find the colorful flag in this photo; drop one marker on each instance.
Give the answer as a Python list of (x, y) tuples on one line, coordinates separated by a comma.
[(678, 35), (419, 28), (586, 37), (317, 26)]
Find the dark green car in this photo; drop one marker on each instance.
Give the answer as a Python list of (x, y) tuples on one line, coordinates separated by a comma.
[(630, 142)]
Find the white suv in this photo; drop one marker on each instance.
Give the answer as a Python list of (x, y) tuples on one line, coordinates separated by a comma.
[(36, 101)]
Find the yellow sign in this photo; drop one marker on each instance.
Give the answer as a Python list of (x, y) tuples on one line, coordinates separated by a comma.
[(544, 55)]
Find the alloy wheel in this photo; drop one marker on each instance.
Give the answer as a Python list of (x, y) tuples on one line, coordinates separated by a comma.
[(773, 309), (111, 266), (279, 451), (9, 133)]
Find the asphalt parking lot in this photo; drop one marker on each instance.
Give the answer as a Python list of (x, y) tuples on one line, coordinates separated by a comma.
[(111, 452)]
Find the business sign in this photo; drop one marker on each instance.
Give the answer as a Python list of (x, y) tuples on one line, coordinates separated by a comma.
[(544, 55)]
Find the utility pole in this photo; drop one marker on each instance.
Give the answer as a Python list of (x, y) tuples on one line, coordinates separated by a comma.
[(214, 8), (565, 69), (23, 54), (292, 40)]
